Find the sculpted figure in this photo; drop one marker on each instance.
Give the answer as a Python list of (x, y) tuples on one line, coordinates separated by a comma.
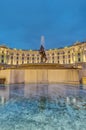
[(43, 54)]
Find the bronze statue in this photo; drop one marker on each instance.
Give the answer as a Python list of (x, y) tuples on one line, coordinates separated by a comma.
[(43, 54)]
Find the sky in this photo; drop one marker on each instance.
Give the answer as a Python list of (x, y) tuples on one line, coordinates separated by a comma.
[(23, 22)]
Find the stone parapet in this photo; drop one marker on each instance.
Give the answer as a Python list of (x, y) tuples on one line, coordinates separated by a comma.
[(41, 74)]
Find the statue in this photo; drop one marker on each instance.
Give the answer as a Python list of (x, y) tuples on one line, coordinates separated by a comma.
[(43, 54), (42, 51)]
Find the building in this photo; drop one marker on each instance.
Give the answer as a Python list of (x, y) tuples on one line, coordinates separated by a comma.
[(73, 54)]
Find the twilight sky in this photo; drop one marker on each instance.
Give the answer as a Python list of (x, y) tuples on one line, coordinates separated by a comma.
[(23, 22)]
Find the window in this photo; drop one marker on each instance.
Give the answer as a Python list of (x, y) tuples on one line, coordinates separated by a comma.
[(33, 55), (17, 57), (23, 54), (2, 61), (2, 56), (53, 57), (11, 57), (27, 54), (79, 60), (32, 58), (17, 54), (78, 54), (27, 58), (68, 56), (2, 52), (58, 57), (63, 57)]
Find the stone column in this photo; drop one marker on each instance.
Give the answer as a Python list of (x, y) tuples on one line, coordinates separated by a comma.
[(66, 58), (55, 58)]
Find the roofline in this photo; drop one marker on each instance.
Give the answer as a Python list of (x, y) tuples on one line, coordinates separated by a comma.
[(75, 44)]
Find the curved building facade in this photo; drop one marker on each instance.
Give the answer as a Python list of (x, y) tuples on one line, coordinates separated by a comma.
[(67, 55)]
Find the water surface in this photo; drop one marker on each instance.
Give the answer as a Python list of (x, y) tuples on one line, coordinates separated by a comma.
[(42, 107)]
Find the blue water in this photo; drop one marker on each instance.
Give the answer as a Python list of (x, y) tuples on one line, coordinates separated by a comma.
[(43, 107)]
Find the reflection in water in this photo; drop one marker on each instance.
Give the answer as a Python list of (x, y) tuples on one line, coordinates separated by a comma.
[(4, 93), (44, 107), (42, 103), (43, 93), (81, 86)]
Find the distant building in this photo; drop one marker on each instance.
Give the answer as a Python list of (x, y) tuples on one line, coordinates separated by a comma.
[(67, 55)]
